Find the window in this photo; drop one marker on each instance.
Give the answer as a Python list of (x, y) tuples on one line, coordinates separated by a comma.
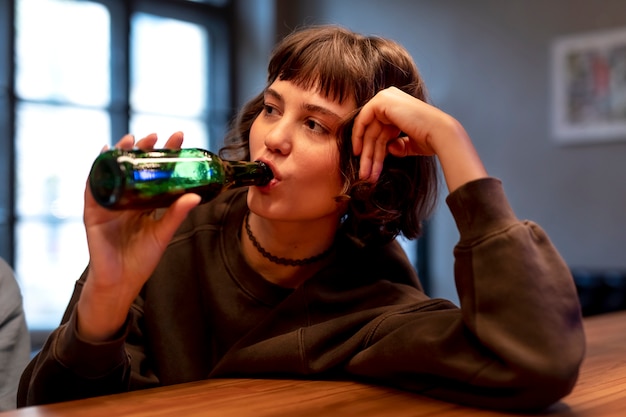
[(110, 68), (175, 96)]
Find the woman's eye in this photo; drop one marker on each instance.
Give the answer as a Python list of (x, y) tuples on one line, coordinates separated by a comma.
[(268, 109), (316, 127)]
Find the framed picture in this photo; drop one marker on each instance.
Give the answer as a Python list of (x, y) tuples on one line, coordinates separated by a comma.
[(589, 87)]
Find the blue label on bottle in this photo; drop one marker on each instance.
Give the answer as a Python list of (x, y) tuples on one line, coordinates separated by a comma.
[(151, 175)]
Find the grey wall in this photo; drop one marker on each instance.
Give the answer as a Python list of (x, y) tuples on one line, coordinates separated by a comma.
[(487, 62)]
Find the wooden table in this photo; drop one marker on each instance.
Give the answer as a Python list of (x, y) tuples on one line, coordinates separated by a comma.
[(600, 392)]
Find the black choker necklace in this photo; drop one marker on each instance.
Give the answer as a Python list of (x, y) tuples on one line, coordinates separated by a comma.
[(283, 261)]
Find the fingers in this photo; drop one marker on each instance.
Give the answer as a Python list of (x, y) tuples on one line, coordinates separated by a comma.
[(389, 133), (127, 142), (398, 147), (374, 128), (175, 141), (372, 145), (392, 122), (148, 142)]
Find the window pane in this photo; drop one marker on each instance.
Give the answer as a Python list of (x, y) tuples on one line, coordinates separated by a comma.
[(55, 146), (62, 51), (410, 247), (169, 71), (50, 256), (195, 130)]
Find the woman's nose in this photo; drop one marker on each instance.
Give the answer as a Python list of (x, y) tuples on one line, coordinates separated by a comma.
[(278, 138)]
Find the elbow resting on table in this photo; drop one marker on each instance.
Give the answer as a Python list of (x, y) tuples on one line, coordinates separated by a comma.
[(533, 381), (549, 389), (545, 385), (534, 392)]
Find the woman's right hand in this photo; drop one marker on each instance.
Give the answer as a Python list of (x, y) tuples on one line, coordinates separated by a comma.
[(124, 249)]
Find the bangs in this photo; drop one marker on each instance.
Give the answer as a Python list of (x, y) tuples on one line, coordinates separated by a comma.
[(343, 65), (320, 75), (333, 65)]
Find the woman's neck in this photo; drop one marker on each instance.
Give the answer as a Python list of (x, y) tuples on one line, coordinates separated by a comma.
[(287, 253)]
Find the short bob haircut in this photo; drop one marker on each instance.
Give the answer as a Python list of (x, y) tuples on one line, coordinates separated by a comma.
[(341, 64)]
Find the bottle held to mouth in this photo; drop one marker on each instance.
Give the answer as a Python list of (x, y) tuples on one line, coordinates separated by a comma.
[(135, 179)]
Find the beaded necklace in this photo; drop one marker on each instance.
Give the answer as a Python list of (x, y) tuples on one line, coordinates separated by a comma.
[(279, 260)]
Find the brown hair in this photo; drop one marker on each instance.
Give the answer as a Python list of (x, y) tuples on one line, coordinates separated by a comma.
[(343, 64)]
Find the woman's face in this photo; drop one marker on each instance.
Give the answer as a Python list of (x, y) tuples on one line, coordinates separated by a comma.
[(296, 135)]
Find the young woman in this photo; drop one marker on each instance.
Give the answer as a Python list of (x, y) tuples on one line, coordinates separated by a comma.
[(303, 276)]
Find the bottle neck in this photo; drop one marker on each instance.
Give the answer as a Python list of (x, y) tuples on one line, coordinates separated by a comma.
[(248, 173)]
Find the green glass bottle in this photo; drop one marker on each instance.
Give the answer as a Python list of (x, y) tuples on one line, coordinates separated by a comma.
[(135, 179)]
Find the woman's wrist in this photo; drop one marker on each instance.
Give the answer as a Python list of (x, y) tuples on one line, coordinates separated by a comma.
[(100, 316), (459, 160)]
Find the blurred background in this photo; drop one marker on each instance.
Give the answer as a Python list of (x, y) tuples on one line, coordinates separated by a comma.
[(76, 75)]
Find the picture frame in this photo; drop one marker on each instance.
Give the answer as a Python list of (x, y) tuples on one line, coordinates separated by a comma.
[(589, 87)]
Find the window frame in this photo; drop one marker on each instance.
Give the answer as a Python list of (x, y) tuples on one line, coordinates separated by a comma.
[(216, 16), (7, 132)]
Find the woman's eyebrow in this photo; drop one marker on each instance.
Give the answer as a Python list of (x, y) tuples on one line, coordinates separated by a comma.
[(273, 93), (312, 108)]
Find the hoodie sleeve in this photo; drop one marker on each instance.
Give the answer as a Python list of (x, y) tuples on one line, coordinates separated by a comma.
[(516, 342), (69, 368)]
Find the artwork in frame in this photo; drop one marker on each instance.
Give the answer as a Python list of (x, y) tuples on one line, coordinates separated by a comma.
[(589, 87)]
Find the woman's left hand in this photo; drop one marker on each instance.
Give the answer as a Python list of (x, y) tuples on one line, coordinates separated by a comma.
[(394, 122)]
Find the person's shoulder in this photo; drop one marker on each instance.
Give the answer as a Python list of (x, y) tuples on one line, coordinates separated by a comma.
[(9, 289), (6, 272)]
